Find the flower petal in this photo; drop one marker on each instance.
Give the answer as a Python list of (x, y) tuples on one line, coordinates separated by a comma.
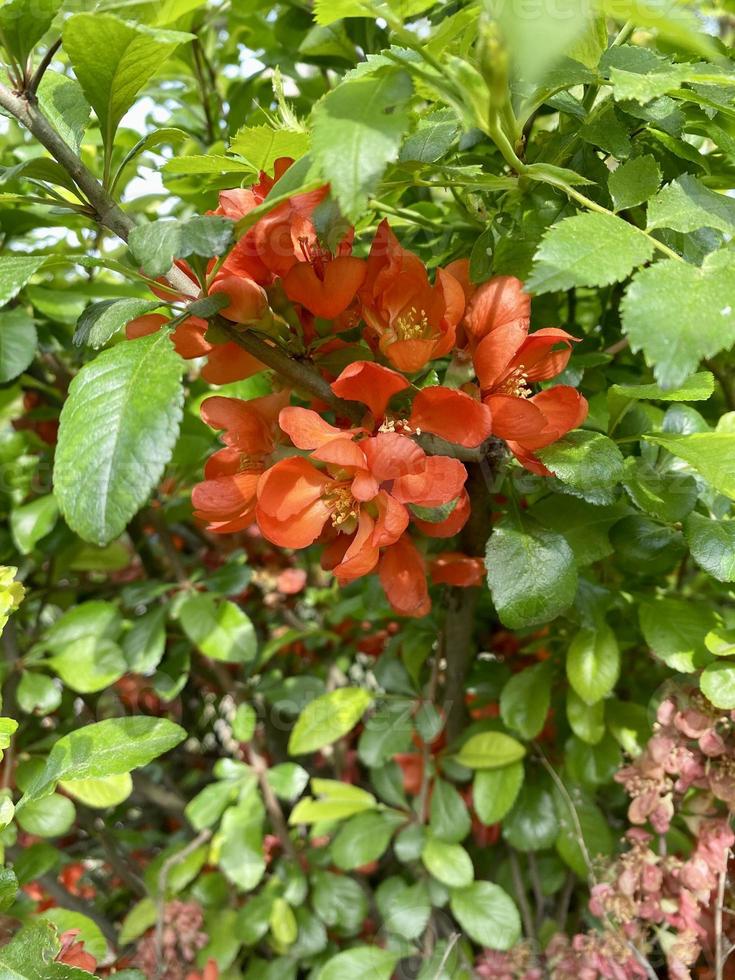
[(290, 486), (330, 296), (496, 352), (392, 520), (362, 555), (538, 356), (369, 383), (515, 418), (496, 303), (229, 362), (452, 415), (454, 568), (450, 525), (563, 409), (403, 576), (307, 429), (391, 455), (441, 480)]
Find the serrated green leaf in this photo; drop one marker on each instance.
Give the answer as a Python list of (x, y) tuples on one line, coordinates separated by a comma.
[(118, 428), (587, 250), (15, 271), (687, 205), (588, 463), (155, 245), (113, 59), (261, 146), (62, 101), (634, 182), (23, 23), (678, 314), (357, 131)]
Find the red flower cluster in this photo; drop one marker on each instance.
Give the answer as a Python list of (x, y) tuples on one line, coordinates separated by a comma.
[(360, 488)]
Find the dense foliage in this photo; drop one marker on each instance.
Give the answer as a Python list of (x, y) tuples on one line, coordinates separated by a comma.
[(367, 429)]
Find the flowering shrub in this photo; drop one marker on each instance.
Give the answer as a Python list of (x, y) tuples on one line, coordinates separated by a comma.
[(367, 436)]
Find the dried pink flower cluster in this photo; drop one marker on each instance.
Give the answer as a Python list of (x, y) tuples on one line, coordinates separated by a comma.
[(693, 745), (182, 940), (648, 897)]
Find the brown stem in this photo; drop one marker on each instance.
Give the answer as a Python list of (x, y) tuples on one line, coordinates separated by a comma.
[(43, 64), (273, 807), (520, 889)]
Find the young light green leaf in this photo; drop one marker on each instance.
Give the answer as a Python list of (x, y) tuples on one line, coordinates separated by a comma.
[(106, 748), (113, 59), (33, 521), (220, 629), (718, 684), (261, 146), (593, 663), (327, 718), (494, 791), (678, 314), (490, 750), (448, 863), (712, 454), (23, 23), (531, 574), (357, 131), (360, 962), (118, 428), (587, 250)]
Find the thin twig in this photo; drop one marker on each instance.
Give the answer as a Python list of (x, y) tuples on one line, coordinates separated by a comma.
[(451, 943), (719, 945), (272, 806), (43, 64), (520, 890)]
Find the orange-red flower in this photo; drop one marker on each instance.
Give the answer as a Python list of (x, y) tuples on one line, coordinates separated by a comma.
[(413, 320), (499, 302), (402, 574), (73, 953), (225, 362), (508, 360), (454, 568), (362, 496), (226, 498)]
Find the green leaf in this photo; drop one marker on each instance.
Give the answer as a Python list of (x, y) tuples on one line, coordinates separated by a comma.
[(532, 824), (668, 496), (103, 319), (287, 780), (524, 702), (106, 748), (118, 428), (18, 343), (82, 641), (357, 131), (30, 955), (144, 644), (38, 693), (531, 575), (101, 792), (404, 909), (327, 718), (634, 182), (448, 863), (588, 463), (23, 23), (219, 629), (587, 721), (207, 807), (241, 855), (712, 544), (678, 314), (51, 816), (364, 838), (696, 388), (490, 750), (535, 43), (244, 722), (718, 684), (155, 245), (386, 732), (587, 250), (675, 630), (15, 271), (593, 663), (339, 901), (711, 454), (494, 791), (360, 962), (487, 914), (138, 920), (213, 163), (449, 818), (261, 146), (32, 522), (432, 138), (598, 838), (62, 101), (687, 205), (113, 60)]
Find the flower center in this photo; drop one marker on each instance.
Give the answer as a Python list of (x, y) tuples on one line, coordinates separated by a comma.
[(516, 383), (316, 256), (343, 507), (413, 325), (250, 463)]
